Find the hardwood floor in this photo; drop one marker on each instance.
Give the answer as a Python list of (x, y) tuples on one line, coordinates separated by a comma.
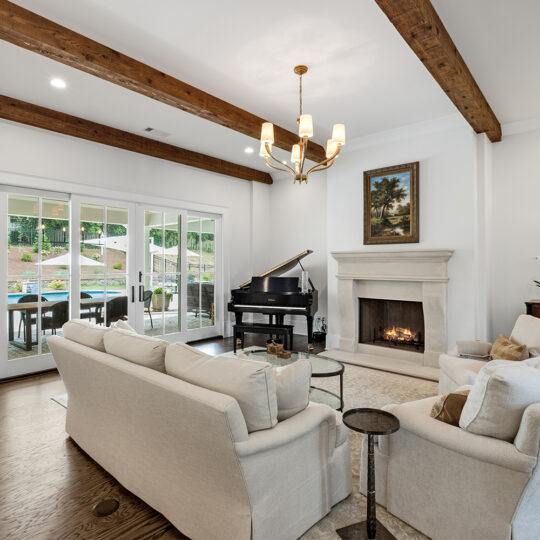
[(48, 485)]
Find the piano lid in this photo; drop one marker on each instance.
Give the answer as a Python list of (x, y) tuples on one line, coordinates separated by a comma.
[(281, 268)]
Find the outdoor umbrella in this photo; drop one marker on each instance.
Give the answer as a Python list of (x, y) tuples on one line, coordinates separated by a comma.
[(65, 260)]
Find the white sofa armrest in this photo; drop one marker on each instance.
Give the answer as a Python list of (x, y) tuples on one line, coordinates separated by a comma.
[(289, 430), (528, 437), (415, 418)]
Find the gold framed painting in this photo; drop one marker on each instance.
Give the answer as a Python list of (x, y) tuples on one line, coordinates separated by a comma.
[(391, 205)]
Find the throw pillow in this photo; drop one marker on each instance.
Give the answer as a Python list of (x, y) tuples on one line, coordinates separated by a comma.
[(143, 350), (527, 332), (251, 383), (448, 407), (500, 394), (123, 325), (473, 348), (292, 388), (85, 333), (505, 349)]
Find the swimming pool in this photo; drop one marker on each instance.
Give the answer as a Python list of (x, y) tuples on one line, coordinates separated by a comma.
[(13, 298)]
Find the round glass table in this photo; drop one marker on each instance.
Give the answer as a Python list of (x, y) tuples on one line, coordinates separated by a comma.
[(320, 367)]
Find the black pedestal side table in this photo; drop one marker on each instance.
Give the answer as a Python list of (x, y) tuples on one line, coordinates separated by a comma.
[(371, 422)]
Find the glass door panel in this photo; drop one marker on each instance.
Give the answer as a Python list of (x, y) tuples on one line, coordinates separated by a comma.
[(162, 272), (103, 262), (201, 272), (38, 280)]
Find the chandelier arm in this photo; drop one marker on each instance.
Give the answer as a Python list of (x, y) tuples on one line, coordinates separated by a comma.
[(316, 168), (277, 168), (269, 152), (304, 148)]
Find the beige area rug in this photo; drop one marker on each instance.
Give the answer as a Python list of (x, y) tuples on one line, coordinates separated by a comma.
[(364, 387)]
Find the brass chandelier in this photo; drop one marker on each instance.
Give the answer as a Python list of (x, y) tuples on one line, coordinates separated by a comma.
[(298, 153)]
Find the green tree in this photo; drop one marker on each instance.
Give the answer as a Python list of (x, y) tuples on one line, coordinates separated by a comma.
[(45, 244), (385, 193)]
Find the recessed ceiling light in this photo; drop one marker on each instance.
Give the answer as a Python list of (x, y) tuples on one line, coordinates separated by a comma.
[(58, 83), (248, 150), (284, 162)]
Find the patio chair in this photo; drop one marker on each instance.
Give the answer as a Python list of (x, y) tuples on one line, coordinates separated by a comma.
[(147, 298), (90, 312), (27, 298), (115, 309), (59, 316)]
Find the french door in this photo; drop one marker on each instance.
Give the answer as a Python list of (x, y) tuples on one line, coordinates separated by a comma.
[(177, 260), (73, 256)]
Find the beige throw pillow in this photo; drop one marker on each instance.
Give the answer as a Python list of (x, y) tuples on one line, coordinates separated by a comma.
[(501, 392), (526, 331), (251, 383), (123, 325), (85, 333), (448, 407), (505, 349), (292, 388), (143, 350)]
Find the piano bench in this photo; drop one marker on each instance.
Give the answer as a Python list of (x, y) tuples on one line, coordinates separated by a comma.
[(285, 330)]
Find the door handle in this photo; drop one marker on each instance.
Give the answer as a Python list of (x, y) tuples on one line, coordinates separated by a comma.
[(141, 293), (132, 294)]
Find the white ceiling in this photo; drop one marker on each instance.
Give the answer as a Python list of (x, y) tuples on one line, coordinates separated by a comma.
[(361, 71)]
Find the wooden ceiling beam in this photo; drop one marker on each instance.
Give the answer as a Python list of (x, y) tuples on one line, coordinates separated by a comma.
[(49, 119), (35, 33), (420, 26)]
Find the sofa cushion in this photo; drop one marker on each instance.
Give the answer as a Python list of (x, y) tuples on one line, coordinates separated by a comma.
[(448, 408), (85, 333), (473, 348), (500, 394), (143, 350), (250, 382), (505, 349), (527, 332), (292, 388)]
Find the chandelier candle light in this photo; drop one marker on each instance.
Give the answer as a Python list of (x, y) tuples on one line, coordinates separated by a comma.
[(298, 152)]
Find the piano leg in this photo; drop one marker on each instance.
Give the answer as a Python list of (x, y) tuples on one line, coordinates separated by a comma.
[(237, 341), (310, 333)]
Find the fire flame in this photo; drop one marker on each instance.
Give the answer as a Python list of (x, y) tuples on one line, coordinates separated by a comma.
[(399, 334)]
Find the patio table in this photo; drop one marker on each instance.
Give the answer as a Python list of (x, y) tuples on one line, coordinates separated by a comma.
[(32, 307)]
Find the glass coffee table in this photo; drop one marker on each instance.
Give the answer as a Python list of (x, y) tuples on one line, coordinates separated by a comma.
[(320, 367)]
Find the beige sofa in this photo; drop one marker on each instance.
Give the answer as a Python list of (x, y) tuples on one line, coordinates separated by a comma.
[(456, 371), (451, 484), (185, 450)]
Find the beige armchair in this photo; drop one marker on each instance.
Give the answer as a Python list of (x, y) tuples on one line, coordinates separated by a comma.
[(456, 371), (451, 484)]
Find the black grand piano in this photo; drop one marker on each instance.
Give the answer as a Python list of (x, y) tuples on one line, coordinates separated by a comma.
[(276, 296)]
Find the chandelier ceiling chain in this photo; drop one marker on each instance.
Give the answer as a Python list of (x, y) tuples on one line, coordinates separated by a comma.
[(298, 153)]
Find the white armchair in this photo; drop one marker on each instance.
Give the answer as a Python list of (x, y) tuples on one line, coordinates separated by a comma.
[(456, 371), (449, 483)]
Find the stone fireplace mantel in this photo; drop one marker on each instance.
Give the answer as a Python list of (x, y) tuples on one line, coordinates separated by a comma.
[(415, 275)]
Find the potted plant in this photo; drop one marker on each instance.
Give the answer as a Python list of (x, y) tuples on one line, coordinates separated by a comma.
[(157, 298)]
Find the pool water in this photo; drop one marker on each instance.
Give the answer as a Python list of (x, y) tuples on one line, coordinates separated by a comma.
[(13, 298)]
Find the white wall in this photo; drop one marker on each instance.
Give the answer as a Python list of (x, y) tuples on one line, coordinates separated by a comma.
[(514, 228), (298, 222), (45, 158), (446, 151)]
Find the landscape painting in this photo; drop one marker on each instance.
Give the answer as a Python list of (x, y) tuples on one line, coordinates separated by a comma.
[(391, 205)]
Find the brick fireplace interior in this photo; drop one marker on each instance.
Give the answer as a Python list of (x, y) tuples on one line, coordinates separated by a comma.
[(391, 323)]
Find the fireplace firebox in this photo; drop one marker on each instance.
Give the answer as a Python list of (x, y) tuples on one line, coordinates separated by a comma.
[(391, 323)]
